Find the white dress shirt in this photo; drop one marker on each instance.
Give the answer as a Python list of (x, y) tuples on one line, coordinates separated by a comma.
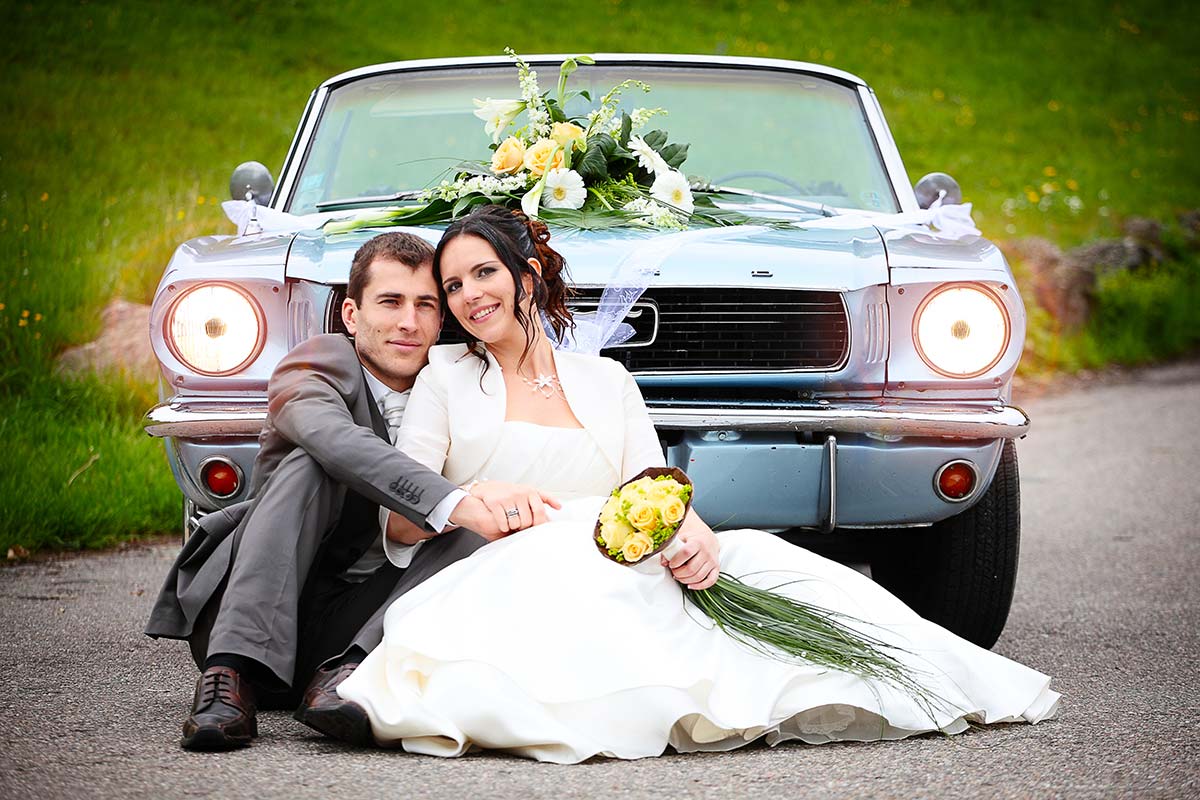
[(386, 550)]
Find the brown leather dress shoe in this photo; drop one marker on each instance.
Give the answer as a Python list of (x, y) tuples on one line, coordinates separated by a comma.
[(223, 712), (324, 710)]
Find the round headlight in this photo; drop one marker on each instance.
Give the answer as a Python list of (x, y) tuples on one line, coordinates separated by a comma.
[(961, 330), (214, 329)]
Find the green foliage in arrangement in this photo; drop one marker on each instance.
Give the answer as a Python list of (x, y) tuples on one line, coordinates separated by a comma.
[(124, 118)]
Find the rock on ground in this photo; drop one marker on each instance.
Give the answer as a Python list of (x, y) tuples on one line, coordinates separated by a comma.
[(123, 345)]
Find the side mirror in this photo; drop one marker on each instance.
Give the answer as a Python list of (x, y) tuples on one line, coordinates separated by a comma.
[(932, 186), (251, 180)]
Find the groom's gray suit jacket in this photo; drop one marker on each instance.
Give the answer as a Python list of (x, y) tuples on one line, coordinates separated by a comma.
[(323, 435)]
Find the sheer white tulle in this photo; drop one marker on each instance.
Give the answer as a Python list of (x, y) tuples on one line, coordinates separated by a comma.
[(539, 646)]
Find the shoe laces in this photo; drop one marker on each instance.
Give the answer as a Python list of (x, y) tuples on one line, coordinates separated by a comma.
[(216, 686)]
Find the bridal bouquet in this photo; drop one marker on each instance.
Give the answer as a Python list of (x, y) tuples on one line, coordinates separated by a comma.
[(641, 519), (588, 169), (642, 516)]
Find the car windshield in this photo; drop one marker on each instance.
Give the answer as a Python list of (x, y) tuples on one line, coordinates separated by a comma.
[(788, 135)]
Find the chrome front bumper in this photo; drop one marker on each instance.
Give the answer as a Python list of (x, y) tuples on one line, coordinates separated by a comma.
[(198, 418)]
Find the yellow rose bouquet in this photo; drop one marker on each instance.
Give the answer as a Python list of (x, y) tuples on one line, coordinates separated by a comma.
[(641, 519), (643, 515)]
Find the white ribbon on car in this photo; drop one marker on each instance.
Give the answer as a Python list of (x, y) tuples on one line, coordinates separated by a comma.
[(243, 212), (606, 327), (939, 221)]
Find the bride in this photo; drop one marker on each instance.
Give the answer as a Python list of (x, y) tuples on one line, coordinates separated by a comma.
[(539, 646)]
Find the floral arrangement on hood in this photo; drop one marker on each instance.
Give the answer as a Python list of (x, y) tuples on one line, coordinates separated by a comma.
[(596, 161), (590, 170)]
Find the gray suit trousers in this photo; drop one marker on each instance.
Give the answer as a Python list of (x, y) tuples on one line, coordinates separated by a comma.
[(277, 556)]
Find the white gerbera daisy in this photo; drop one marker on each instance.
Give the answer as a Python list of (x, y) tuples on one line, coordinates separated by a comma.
[(564, 189), (647, 156), (671, 187)]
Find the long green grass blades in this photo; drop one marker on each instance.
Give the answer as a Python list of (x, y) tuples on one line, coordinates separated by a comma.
[(780, 627)]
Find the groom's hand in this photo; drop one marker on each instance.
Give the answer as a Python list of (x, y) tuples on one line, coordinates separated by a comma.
[(697, 564), (502, 499), (473, 513)]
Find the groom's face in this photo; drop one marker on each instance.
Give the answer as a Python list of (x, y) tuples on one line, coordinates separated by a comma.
[(397, 321)]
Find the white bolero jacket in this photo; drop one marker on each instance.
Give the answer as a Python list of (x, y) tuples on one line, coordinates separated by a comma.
[(452, 423)]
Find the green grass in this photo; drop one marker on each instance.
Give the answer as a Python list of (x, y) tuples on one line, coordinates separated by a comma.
[(76, 469), (123, 121), (1137, 316)]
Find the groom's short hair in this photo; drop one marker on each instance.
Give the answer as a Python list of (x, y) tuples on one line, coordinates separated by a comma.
[(403, 247)]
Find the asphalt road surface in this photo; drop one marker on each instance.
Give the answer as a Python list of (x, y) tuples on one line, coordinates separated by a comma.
[(1108, 602)]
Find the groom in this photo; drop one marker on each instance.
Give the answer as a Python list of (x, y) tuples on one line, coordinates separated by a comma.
[(291, 586)]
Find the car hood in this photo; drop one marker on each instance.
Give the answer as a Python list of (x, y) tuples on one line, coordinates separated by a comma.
[(750, 256)]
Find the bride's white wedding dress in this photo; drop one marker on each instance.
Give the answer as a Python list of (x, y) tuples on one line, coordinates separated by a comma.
[(539, 646)]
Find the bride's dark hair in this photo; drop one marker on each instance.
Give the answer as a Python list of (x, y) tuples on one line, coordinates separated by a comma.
[(516, 238)]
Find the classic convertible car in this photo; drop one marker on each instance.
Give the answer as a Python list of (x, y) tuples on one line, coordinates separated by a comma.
[(840, 375)]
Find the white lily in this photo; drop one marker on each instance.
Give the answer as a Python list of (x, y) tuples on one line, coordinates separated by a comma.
[(564, 189), (498, 114), (647, 156), (533, 198), (671, 187)]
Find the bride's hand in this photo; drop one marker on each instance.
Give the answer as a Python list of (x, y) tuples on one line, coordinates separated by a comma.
[(697, 564), (503, 498)]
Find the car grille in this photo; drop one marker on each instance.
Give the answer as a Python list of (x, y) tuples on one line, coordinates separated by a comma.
[(705, 329), (714, 329)]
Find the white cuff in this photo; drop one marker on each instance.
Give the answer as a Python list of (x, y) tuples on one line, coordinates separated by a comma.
[(398, 553), (439, 518), (402, 554)]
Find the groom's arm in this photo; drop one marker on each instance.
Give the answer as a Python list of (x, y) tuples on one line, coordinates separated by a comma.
[(309, 399)]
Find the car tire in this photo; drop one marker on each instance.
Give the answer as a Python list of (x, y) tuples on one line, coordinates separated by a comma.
[(960, 572)]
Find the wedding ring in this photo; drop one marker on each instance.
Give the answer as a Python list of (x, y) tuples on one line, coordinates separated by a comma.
[(512, 512)]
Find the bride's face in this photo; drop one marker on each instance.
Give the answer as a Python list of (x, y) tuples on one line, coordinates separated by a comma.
[(480, 292)]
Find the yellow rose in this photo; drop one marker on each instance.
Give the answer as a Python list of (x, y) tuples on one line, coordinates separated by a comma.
[(509, 156), (543, 155), (615, 533), (564, 133), (636, 546), (672, 510), (661, 490), (637, 490), (611, 509), (642, 516)]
